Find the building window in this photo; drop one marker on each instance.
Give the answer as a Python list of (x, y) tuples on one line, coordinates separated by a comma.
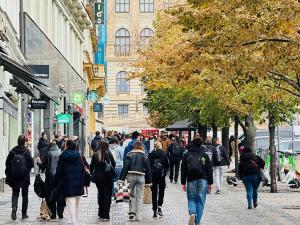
[(146, 6), (145, 36), (122, 83), (122, 6), (122, 42), (167, 4), (122, 110)]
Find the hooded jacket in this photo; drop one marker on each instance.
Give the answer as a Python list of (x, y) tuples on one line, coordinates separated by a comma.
[(70, 172), (94, 143), (29, 162), (250, 164), (137, 162), (204, 172)]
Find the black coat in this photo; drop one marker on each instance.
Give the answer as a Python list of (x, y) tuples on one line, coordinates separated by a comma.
[(43, 147), (97, 168), (70, 172), (171, 155), (250, 164), (225, 156), (29, 162)]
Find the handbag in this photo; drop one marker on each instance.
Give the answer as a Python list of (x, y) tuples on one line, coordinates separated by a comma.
[(39, 186), (261, 173), (109, 170), (122, 192), (147, 195)]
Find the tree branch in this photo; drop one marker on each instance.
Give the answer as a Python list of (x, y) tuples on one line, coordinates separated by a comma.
[(284, 89), (286, 79), (267, 40)]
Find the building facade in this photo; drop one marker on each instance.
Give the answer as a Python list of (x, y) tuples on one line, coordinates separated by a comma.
[(130, 26)]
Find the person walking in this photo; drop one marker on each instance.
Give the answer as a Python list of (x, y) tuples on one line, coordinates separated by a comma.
[(196, 180), (175, 154), (70, 172), (18, 165), (231, 146), (118, 153), (54, 198), (43, 147), (137, 169), (159, 164), (249, 169), (135, 137), (95, 141), (103, 165), (220, 161), (208, 148)]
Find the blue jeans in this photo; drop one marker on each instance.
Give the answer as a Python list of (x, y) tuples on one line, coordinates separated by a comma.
[(251, 183), (196, 194)]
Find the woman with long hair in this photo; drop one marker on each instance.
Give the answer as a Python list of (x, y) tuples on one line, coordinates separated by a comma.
[(102, 168)]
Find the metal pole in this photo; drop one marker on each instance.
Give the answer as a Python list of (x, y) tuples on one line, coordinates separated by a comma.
[(65, 110), (293, 137)]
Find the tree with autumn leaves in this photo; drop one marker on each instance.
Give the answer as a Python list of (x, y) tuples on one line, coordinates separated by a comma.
[(215, 61)]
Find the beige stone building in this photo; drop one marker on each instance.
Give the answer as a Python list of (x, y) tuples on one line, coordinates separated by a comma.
[(129, 26)]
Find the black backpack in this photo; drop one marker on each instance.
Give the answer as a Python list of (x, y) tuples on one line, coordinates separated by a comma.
[(195, 164), (94, 144), (157, 170), (176, 150), (18, 166)]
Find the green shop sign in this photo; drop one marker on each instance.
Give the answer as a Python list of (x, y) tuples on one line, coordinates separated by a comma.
[(93, 96), (77, 97), (63, 118)]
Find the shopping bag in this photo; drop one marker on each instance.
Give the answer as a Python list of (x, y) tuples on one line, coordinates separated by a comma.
[(45, 213), (39, 186), (147, 195), (122, 192)]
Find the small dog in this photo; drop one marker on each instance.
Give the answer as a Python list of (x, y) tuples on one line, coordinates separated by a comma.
[(45, 213)]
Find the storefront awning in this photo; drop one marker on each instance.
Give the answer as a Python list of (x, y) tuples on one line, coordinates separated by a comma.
[(18, 70), (48, 93), (21, 86)]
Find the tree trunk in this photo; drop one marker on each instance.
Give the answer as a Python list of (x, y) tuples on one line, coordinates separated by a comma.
[(236, 154), (273, 157), (225, 138), (215, 131), (249, 131), (202, 131)]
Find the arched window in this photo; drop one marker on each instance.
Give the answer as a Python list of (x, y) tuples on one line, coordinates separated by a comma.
[(145, 36), (146, 6), (122, 6), (122, 83), (122, 42)]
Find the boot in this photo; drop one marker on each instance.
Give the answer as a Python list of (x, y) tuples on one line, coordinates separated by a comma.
[(24, 216), (14, 213)]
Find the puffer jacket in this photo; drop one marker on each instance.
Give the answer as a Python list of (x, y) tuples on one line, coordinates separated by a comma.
[(137, 162), (29, 163), (70, 172)]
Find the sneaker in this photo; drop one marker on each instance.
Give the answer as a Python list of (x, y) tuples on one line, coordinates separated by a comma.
[(14, 214), (159, 212), (155, 215), (25, 216), (132, 217), (192, 219), (218, 192)]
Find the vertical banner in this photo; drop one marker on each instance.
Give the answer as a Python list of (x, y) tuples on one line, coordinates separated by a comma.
[(100, 13)]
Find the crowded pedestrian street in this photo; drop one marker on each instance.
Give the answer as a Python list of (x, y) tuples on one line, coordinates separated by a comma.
[(228, 208)]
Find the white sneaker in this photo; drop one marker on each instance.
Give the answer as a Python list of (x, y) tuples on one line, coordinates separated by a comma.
[(192, 219)]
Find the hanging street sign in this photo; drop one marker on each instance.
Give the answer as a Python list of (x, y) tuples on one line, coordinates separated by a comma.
[(77, 97), (63, 118), (99, 12), (38, 103), (98, 107), (105, 100), (93, 96)]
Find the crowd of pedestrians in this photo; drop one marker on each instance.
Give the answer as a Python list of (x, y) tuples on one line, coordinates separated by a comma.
[(118, 158)]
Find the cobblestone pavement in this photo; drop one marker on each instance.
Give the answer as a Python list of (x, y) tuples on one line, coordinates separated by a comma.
[(228, 208)]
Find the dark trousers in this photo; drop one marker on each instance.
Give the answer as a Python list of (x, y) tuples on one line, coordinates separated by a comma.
[(57, 207), (174, 164), (104, 198), (158, 193), (15, 197)]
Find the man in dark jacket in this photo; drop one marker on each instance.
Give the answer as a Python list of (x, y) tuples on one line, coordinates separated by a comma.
[(43, 147), (70, 172), (196, 171), (138, 171), (220, 161), (175, 154), (134, 138), (160, 164), (18, 165), (95, 141)]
